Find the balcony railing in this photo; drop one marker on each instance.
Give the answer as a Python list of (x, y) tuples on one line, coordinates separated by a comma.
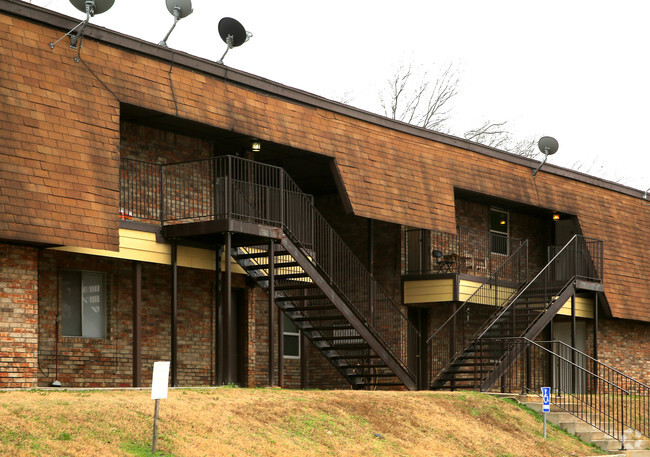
[(469, 251)]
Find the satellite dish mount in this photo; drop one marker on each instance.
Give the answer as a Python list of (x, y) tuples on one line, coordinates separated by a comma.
[(90, 7), (179, 9), (549, 146), (233, 34)]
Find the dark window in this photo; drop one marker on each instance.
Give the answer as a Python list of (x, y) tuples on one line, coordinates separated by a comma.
[(499, 231), (291, 337), (83, 304)]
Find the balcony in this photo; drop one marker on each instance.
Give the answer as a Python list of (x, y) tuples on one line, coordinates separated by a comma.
[(445, 267), (469, 251)]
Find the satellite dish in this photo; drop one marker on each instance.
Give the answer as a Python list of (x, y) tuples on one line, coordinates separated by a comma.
[(233, 34), (184, 7), (95, 6), (548, 145), (90, 7), (179, 9)]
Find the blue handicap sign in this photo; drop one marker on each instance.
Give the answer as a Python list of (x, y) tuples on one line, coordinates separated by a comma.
[(546, 399)]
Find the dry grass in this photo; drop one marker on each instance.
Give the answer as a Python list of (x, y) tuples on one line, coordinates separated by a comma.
[(270, 422)]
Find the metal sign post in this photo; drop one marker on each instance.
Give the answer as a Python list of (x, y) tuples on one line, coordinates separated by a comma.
[(159, 383), (546, 404)]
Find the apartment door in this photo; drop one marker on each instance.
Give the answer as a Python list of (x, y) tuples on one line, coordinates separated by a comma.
[(567, 376)]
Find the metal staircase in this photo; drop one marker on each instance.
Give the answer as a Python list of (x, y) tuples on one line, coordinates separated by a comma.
[(285, 244), (324, 315), (489, 352)]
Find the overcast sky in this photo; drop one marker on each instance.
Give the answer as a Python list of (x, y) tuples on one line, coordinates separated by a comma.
[(575, 70)]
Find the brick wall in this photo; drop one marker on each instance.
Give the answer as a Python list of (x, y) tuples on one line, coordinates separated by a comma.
[(625, 345), (161, 146), (538, 230), (107, 361), (18, 316)]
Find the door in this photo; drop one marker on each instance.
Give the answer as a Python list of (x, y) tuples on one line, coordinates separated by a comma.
[(566, 374)]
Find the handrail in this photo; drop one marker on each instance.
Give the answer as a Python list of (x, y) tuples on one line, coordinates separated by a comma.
[(590, 358), (562, 282), (488, 281), (451, 338), (521, 314), (585, 387)]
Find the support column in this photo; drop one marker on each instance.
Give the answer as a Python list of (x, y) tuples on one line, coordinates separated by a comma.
[(281, 349), (137, 323), (371, 270), (304, 362), (174, 315), (574, 380), (229, 332), (595, 355), (218, 320), (271, 311)]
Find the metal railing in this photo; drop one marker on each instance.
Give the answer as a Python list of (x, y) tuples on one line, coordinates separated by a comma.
[(451, 338), (523, 315), (469, 251), (229, 187), (594, 392), (586, 256), (140, 191)]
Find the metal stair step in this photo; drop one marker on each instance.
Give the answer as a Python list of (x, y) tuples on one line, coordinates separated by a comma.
[(336, 317), (329, 328), (266, 266), (311, 308), (305, 286), (300, 297)]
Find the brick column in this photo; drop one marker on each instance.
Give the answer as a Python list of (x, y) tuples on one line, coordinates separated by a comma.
[(18, 316)]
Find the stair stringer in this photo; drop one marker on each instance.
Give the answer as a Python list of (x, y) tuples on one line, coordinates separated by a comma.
[(360, 324), (335, 357), (530, 334)]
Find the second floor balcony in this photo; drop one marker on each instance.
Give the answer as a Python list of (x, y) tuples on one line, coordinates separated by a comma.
[(469, 252)]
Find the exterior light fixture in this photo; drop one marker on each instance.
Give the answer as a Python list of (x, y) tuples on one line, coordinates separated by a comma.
[(556, 216), (548, 145), (256, 146)]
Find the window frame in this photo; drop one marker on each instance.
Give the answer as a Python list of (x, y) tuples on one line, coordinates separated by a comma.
[(290, 334), (103, 321), (500, 233)]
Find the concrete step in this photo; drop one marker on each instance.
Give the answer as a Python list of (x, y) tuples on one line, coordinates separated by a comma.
[(614, 445), (635, 445)]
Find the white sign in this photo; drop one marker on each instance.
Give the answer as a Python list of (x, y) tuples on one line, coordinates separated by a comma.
[(546, 399), (159, 380)]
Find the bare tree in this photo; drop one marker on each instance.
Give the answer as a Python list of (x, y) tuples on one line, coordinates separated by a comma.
[(426, 102), (495, 134)]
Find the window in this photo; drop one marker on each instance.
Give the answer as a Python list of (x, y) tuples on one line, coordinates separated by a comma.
[(83, 304), (291, 338), (499, 231)]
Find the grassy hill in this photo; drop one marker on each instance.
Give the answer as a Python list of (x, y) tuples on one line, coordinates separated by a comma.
[(274, 422)]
